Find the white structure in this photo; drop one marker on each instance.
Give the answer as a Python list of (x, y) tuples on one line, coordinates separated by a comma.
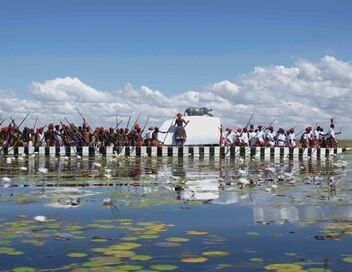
[(201, 130)]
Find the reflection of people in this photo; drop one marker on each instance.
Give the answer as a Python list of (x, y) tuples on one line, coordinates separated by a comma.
[(180, 133)]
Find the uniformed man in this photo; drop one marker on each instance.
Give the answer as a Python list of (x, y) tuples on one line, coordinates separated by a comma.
[(260, 136)]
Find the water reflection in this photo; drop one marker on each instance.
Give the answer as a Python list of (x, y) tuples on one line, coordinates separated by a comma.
[(276, 190)]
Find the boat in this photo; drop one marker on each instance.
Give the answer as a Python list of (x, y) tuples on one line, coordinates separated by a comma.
[(201, 130)]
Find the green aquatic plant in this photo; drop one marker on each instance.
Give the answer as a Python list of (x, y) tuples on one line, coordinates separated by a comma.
[(164, 267)]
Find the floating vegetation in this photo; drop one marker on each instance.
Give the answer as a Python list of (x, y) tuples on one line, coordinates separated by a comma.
[(171, 214), (215, 253), (195, 232), (194, 260), (164, 267)]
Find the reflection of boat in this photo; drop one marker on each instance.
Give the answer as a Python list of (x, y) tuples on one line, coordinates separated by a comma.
[(299, 213), (208, 190)]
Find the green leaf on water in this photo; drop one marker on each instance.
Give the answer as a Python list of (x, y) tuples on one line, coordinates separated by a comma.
[(194, 260), (23, 269), (6, 250), (284, 267), (125, 246), (129, 238), (347, 259), (98, 240), (98, 249), (76, 255), (141, 258), (148, 236), (215, 253), (290, 254), (315, 269), (177, 239), (93, 264), (164, 267), (128, 267), (256, 260), (15, 253)]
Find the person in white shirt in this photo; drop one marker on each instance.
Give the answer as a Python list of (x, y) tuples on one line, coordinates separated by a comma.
[(330, 136), (148, 136), (229, 136), (244, 137), (252, 137), (291, 138), (260, 136), (281, 138), (238, 136), (269, 136), (306, 138)]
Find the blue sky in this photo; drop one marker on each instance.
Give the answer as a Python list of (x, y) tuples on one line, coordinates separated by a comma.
[(173, 46)]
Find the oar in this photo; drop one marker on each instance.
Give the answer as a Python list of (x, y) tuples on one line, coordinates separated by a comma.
[(265, 127), (146, 122), (117, 124), (84, 119), (77, 131), (169, 128), (135, 122), (18, 127), (128, 122), (2, 121), (80, 114), (250, 119)]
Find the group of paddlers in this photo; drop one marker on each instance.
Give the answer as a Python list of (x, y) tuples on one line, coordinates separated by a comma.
[(72, 135), (267, 137)]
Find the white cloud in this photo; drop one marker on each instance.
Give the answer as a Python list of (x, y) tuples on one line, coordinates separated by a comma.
[(306, 93), (66, 89)]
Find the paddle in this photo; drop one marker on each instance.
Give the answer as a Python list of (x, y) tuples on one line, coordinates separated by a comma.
[(18, 127), (169, 129)]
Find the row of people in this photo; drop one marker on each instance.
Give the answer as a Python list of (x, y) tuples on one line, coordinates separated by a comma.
[(71, 135), (261, 136)]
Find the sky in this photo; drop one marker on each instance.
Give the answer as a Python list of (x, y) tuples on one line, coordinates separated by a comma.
[(288, 60)]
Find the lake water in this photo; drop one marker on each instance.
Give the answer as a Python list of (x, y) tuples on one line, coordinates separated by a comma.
[(171, 214)]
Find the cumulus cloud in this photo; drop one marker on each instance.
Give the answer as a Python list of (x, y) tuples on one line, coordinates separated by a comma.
[(304, 93), (67, 89)]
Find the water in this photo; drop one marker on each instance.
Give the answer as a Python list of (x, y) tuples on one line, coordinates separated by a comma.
[(170, 214)]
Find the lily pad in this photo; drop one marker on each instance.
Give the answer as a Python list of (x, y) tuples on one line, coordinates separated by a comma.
[(148, 236), (141, 258), (125, 246), (284, 267), (194, 260), (177, 239), (15, 253), (195, 232), (76, 255), (256, 260), (316, 269), (164, 267), (23, 269), (347, 259), (215, 253), (128, 267), (120, 253), (129, 238)]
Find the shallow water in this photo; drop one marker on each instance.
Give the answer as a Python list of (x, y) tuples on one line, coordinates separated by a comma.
[(170, 214)]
